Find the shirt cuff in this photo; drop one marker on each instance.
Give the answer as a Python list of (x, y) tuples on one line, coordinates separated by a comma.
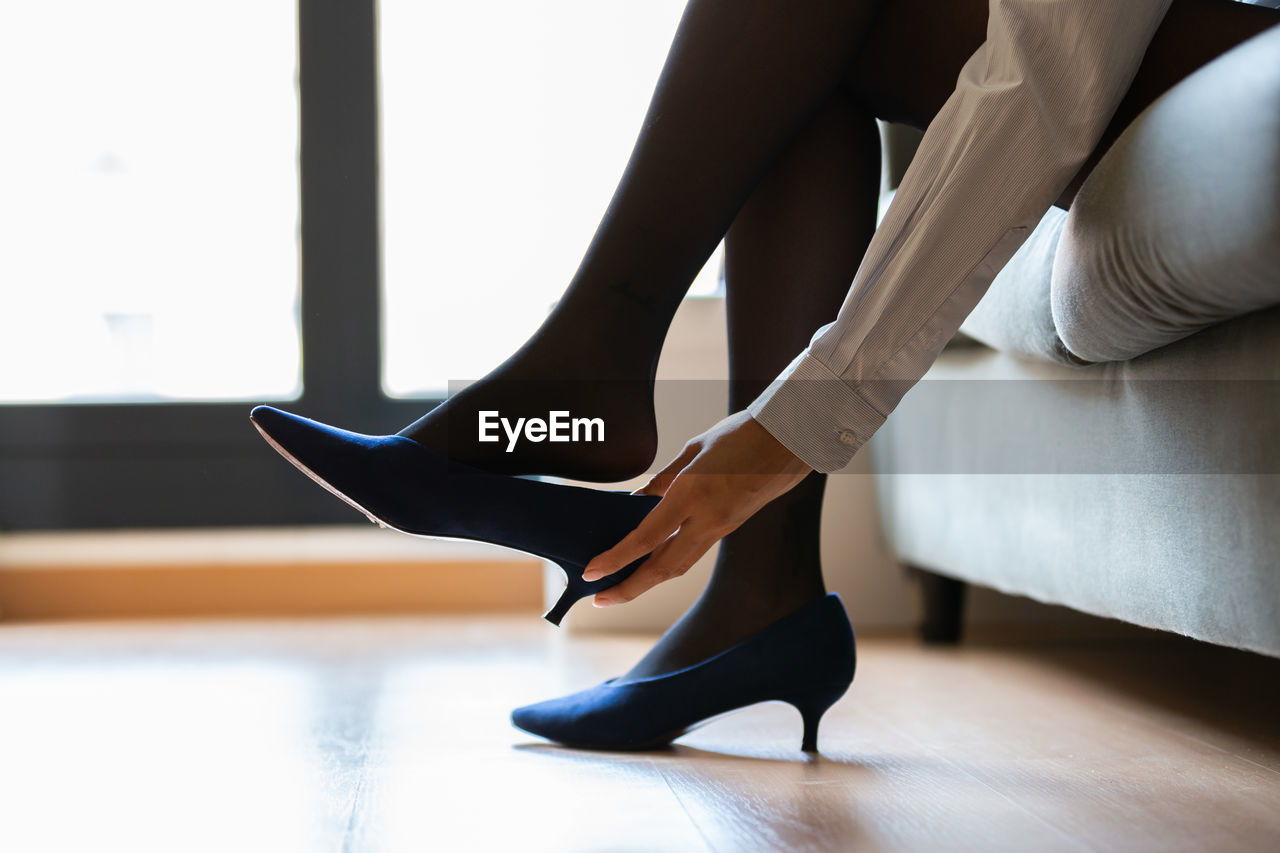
[(816, 414)]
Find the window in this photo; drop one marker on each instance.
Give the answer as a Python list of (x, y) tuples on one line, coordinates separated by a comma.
[(506, 125), (150, 202), (190, 204)]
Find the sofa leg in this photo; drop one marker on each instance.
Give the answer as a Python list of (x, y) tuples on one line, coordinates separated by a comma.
[(942, 600)]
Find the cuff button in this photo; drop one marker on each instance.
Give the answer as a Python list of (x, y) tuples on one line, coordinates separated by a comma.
[(847, 436)]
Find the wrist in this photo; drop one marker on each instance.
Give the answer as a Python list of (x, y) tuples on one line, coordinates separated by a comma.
[(778, 456)]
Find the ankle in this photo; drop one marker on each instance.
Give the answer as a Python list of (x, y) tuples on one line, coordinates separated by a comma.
[(752, 607), (505, 426)]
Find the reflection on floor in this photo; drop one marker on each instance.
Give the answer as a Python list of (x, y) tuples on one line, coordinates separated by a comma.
[(392, 734)]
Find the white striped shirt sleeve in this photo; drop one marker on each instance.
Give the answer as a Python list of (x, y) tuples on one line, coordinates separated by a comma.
[(1029, 107)]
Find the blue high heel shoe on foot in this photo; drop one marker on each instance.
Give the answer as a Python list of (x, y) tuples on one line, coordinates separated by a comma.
[(806, 659), (405, 486)]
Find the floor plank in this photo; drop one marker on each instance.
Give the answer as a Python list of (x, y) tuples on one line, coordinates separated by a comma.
[(387, 734)]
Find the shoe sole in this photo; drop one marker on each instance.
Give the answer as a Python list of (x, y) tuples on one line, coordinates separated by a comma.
[(321, 481), (661, 742)]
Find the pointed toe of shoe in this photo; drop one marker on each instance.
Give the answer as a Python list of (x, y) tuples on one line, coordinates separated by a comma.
[(287, 432), (265, 414), (574, 720), (612, 715), (528, 719), (549, 719), (298, 435), (356, 467), (281, 426)]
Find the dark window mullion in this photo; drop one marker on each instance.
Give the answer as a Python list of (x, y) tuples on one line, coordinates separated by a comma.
[(340, 230)]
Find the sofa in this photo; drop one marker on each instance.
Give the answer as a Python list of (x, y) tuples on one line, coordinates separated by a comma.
[(1105, 431)]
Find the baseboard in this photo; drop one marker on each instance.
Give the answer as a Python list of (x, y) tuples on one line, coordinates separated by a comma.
[(140, 574)]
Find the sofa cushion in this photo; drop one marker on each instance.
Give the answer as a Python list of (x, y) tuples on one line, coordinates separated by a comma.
[(1014, 314), (1178, 227)]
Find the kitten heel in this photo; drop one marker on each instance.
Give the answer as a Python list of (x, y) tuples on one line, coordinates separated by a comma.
[(562, 605), (813, 706), (811, 715)]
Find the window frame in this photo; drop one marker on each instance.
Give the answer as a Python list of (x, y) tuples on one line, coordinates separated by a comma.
[(84, 466)]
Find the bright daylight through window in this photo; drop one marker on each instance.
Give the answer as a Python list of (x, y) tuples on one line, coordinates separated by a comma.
[(505, 127), (150, 215)]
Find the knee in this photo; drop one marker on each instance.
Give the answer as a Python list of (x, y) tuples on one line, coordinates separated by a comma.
[(1178, 226), (1099, 287)]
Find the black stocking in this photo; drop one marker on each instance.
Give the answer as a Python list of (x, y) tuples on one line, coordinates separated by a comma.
[(795, 246), (790, 256), (742, 77)]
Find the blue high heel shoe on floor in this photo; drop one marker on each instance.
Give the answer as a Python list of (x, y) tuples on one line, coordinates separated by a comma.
[(405, 486), (806, 659)]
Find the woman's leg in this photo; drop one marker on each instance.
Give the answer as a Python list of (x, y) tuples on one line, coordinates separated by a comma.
[(794, 249), (741, 78), (910, 59), (789, 257)]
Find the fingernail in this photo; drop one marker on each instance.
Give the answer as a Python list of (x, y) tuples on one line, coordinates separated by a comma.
[(592, 575), (600, 602)]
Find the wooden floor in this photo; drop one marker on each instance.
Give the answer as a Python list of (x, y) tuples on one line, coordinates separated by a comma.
[(392, 734)]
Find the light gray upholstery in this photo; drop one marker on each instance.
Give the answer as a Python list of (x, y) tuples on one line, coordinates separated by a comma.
[(1145, 489), (1191, 554), (1164, 508), (1014, 315)]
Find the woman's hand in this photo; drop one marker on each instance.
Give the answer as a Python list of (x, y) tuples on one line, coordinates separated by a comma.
[(718, 481)]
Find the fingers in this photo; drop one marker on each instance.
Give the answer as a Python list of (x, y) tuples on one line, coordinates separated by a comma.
[(663, 479), (660, 523), (718, 481), (675, 557)]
